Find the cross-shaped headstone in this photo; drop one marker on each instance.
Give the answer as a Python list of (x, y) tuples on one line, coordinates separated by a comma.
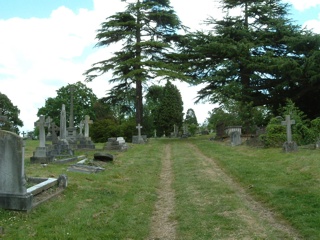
[(41, 124), (288, 122), (23, 133), (139, 130), (87, 121), (48, 124)]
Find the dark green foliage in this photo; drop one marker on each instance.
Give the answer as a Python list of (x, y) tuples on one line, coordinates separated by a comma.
[(83, 102), (240, 114), (170, 110), (12, 113), (103, 129), (257, 57), (191, 117), (146, 30)]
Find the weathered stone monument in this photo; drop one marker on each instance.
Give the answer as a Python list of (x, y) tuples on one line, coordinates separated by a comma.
[(85, 141), (175, 131), (289, 145), (118, 144), (235, 138), (234, 132), (138, 139), (71, 130), (14, 194), (42, 154), (61, 147)]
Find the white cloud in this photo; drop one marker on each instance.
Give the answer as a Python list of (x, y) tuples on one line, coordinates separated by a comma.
[(41, 55), (303, 5)]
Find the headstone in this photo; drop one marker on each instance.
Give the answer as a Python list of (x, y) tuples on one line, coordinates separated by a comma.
[(116, 144), (155, 133), (14, 195), (220, 131), (138, 139), (85, 141), (42, 153), (235, 138), (289, 145), (105, 157), (63, 123), (48, 124), (13, 191), (81, 125), (87, 121), (72, 131)]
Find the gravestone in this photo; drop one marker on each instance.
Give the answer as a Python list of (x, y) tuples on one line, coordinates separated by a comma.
[(71, 130), (85, 141), (220, 131), (61, 145), (138, 139), (48, 124), (289, 145), (235, 138), (42, 153), (14, 195), (116, 144), (13, 191)]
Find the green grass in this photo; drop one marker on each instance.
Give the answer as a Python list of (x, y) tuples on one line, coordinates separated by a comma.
[(118, 203)]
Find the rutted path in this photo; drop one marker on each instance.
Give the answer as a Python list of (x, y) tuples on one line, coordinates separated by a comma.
[(264, 214), (163, 225)]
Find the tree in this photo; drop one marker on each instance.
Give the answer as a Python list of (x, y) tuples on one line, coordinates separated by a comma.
[(170, 110), (83, 102), (11, 112), (191, 117), (146, 29), (257, 57)]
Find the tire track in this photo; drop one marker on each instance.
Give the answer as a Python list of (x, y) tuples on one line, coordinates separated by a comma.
[(262, 212), (163, 226)]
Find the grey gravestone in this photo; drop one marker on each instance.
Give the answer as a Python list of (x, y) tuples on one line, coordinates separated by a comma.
[(63, 123), (235, 138), (72, 133), (85, 141), (138, 139), (105, 157), (289, 145), (13, 191), (42, 153), (48, 124), (116, 144)]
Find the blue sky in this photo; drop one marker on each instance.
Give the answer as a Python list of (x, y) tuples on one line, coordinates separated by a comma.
[(38, 8), (47, 44)]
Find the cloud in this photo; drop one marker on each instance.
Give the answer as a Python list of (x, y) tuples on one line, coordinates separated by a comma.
[(41, 55), (303, 5)]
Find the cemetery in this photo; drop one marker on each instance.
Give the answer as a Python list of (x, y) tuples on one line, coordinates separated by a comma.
[(136, 163)]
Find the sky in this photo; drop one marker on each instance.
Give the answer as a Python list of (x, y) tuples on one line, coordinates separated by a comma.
[(48, 44)]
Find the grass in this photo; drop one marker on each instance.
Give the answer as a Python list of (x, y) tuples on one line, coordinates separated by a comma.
[(118, 203)]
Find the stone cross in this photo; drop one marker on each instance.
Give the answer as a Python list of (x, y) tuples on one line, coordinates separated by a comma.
[(139, 130), (63, 123), (41, 124), (71, 119), (23, 133), (288, 122), (81, 127), (48, 124), (87, 121)]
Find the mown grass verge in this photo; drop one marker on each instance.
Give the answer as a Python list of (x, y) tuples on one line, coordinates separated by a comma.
[(114, 204), (288, 183)]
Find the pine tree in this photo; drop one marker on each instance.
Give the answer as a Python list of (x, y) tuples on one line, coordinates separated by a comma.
[(146, 29), (170, 111), (257, 56)]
